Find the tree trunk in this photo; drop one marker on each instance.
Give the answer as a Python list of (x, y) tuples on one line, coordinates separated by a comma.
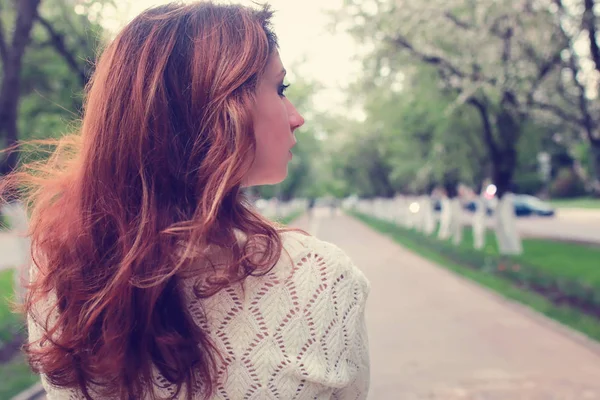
[(595, 158), (503, 155), (589, 24), (10, 91), (501, 147), (504, 159)]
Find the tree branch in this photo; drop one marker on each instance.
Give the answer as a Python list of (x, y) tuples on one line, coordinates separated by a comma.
[(544, 71), (488, 135), (401, 41), (67, 15), (442, 63), (557, 111), (587, 121), (458, 22), (564, 95), (507, 48), (58, 43), (496, 26), (589, 23), (26, 11)]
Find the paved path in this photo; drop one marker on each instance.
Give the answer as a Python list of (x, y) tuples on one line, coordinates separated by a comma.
[(10, 250), (434, 335)]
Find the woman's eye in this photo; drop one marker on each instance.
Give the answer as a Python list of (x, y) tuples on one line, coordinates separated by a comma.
[(282, 89)]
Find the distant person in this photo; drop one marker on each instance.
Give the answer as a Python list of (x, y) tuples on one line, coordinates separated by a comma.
[(333, 207), (153, 277), (311, 207)]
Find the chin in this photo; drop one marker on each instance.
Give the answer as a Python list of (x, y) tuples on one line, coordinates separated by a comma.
[(273, 179), (278, 179)]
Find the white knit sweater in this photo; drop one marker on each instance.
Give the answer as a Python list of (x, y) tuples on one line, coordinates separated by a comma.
[(296, 333)]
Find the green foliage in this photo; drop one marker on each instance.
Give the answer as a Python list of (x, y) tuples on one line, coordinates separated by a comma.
[(426, 73), (288, 219), (412, 139), (365, 167), (582, 202), (581, 152), (56, 67), (567, 185), (4, 225), (16, 377), (10, 323), (536, 137), (528, 183)]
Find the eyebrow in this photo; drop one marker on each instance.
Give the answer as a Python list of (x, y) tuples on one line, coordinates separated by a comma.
[(282, 72)]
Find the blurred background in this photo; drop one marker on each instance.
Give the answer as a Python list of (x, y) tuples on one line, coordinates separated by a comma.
[(466, 130)]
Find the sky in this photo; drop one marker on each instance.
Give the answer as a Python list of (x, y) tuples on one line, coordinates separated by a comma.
[(307, 47)]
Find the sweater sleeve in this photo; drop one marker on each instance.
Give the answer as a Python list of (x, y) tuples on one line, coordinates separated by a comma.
[(355, 334), (342, 320)]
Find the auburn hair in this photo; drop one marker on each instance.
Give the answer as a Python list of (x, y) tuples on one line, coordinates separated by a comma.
[(131, 204)]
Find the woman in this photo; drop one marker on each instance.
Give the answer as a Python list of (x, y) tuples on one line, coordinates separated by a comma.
[(153, 277)]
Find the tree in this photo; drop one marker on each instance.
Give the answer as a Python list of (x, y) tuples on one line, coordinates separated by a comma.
[(418, 143), (573, 98), (11, 54), (495, 56), (58, 41), (57, 67)]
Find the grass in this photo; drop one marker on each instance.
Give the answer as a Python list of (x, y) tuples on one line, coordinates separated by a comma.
[(4, 226), (290, 218), (16, 375), (581, 202), (560, 259), (569, 316), (10, 323)]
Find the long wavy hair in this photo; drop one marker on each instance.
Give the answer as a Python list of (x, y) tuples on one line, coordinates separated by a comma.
[(141, 196)]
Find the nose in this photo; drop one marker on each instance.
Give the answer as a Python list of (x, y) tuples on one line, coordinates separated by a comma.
[(296, 120)]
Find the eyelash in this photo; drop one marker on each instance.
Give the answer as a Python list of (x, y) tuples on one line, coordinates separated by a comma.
[(282, 89)]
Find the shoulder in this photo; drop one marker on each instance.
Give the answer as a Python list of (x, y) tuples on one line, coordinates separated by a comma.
[(306, 252)]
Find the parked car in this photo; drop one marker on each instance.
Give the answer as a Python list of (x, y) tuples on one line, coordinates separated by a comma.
[(525, 205)]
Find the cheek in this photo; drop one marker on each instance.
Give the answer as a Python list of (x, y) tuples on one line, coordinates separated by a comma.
[(266, 144), (272, 127)]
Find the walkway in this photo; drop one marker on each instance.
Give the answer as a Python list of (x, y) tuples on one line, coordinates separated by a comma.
[(434, 335)]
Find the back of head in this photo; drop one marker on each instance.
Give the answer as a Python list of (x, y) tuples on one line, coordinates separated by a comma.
[(129, 206)]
